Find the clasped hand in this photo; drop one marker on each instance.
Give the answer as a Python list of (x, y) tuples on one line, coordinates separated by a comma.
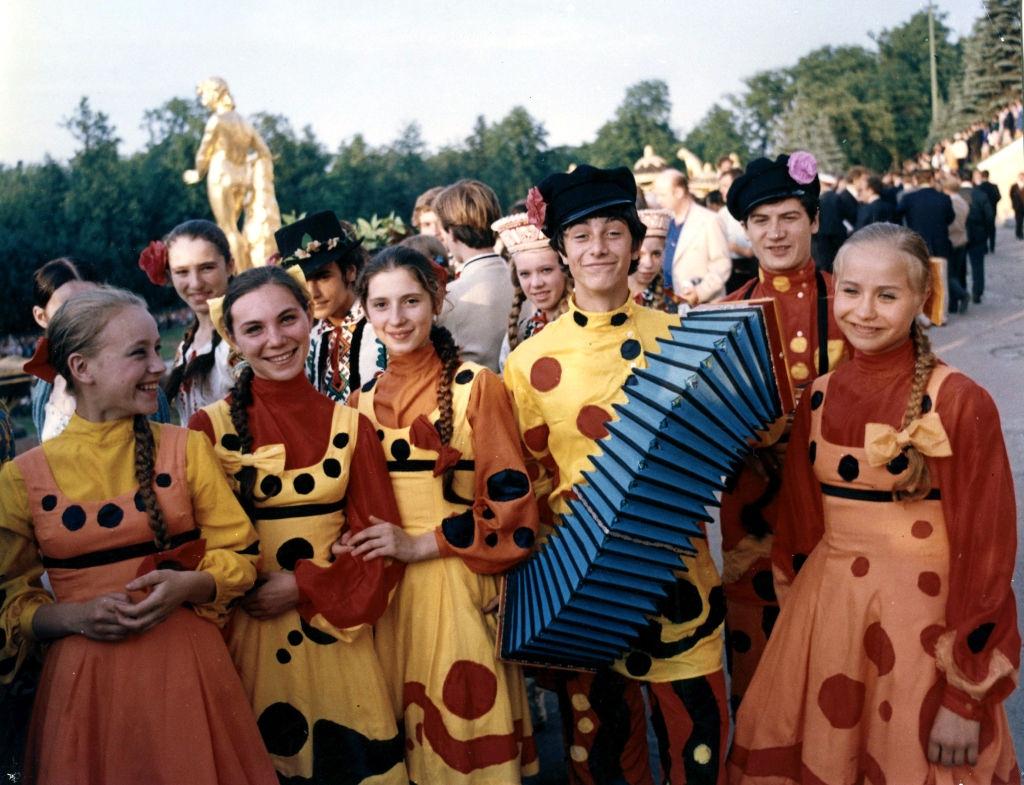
[(385, 539)]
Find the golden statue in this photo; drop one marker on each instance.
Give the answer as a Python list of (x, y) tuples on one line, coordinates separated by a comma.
[(239, 172)]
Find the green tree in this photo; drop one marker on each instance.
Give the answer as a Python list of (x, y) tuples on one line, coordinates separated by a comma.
[(716, 135), (767, 96), (992, 70), (805, 127), (642, 118), (300, 164)]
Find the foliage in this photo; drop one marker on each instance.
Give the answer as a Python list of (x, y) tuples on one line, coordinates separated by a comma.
[(992, 70), (804, 127), (641, 119), (716, 135), (377, 233)]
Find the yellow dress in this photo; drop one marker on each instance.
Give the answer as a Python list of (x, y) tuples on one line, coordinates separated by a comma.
[(465, 713), (317, 689)]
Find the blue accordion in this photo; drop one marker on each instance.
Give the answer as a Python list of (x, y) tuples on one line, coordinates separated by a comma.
[(587, 593)]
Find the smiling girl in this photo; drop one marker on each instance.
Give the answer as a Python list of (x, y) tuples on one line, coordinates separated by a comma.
[(647, 283), (467, 514), (894, 553), (306, 469), (145, 547)]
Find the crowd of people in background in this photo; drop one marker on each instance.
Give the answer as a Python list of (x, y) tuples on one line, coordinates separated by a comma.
[(976, 142)]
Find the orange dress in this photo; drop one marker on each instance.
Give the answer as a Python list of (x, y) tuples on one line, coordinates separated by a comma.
[(900, 607), (162, 706)]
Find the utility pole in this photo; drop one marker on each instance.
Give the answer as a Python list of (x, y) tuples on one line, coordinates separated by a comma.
[(931, 49)]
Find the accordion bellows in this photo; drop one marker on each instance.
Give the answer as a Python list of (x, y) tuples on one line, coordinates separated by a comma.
[(588, 592)]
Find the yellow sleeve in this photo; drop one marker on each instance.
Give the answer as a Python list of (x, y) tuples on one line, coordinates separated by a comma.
[(21, 593), (533, 434), (232, 547)]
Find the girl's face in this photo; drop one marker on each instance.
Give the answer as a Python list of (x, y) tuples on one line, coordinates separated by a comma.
[(121, 378), (271, 329), (652, 253), (198, 271), (876, 301), (541, 277), (400, 310)]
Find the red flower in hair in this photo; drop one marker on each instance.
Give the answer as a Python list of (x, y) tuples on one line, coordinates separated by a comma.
[(440, 273), (536, 208), (153, 261)]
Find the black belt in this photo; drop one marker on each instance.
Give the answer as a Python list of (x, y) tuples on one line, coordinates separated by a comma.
[(297, 511), (112, 555), (427, 466), (863, 495)]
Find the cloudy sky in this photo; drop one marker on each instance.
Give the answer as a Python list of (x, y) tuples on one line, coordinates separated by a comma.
[(349, 67)]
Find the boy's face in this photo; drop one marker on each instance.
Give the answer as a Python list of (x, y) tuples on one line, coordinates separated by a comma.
[(598, 252)]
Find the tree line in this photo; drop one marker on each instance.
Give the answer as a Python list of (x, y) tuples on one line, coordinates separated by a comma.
[(847, 104)]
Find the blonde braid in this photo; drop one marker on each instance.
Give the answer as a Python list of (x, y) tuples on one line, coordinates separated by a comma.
[(144, 464), (513, 316), (916, 482)]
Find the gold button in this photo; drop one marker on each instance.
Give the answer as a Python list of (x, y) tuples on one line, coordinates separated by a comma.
[(798, 344), (781, 283), (799, 371)]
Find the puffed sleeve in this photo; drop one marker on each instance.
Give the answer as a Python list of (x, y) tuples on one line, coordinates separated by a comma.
[(21, 592), (980, 651), (800, 521), (232, 547), (500, 528), (350, 591)]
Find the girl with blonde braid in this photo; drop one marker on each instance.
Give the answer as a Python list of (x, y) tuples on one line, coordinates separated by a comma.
[(893, 556), (538, 276), (145, 547), (467, 514)]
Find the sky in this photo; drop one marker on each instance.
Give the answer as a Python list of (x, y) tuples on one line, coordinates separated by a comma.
[(347, 67)]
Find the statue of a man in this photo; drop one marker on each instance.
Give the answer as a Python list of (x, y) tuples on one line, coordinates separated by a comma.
[(239, 172)]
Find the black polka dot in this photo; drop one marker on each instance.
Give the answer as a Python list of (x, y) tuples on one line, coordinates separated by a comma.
[(283, 656), (619, 319), (488, 514), (491, 539), (979, 636), (523, 537), (816, 398), (369, 385), (764, 586), (812, 452), (508, 484), (140, 503), (304, 483), (290, 551), (630, 349), (459, 530), (283, 728), (849, 468), (271, 485), (318, 637), (898, 465), (798, 561), (579, 318), (380, 434), (332, 467), (73, 518), (926, 404), (294, 637), (768, 616), (109, 516), (400, 449), (49, 502), (464, 376), (739, 641), (163, 480), (682, 603), (7, 666), (340, 440), (231, 441), (638, 663)]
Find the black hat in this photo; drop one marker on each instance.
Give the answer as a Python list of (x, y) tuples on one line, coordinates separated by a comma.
[(787, 176), (583, 191), (314, 241)]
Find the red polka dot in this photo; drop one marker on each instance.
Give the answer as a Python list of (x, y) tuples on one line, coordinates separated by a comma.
[(930, 583), (591, 420), (469, 689), (860, 567), (921, 529), (545, 374), (536, 438), (879, 648), (930, 636), (533, 470), (885, 711), (841, 700)]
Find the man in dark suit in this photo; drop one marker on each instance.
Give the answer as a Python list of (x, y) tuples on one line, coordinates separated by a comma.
[(873, 208), (831, 233), (849, 194), (991, 190), (1017, 200), (929, 213)]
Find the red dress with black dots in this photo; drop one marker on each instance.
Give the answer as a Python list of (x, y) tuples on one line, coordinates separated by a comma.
[(465, 713), (898, 607)]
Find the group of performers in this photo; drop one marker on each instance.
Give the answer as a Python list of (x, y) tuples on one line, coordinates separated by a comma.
[(301, 585)]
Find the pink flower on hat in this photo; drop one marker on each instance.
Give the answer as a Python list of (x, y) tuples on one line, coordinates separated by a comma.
[(536, 208), (803, 167)]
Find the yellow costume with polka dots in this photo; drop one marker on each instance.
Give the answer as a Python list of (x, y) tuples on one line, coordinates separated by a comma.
[(318, 691)]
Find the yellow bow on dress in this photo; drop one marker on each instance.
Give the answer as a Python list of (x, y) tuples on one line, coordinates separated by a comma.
[(216, 306), (883, 442), (268, 459)]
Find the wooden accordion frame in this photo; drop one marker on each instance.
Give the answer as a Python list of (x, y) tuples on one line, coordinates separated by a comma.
[(585, 595)]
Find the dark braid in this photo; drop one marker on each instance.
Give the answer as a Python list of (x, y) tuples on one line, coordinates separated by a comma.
[(199, 366), (144, 462), (446, 349), (916, 483), (241, 400)]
